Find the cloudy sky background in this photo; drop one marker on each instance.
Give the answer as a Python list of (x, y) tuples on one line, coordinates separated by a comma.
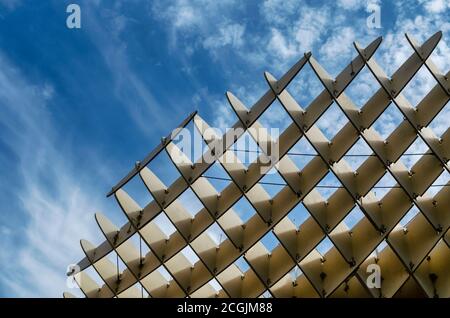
[(79, 107)]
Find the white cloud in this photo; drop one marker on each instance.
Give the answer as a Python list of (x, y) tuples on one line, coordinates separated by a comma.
[(200, 21), (223, 115), (350, 4), (436, 6), (291, 33), (340, 44), (57, 202), (280, 46), (229, 34), (331, 121), (279, 12), (354, 5), (184, 16)]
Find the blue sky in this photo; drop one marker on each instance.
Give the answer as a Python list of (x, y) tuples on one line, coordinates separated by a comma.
[(79, 106)]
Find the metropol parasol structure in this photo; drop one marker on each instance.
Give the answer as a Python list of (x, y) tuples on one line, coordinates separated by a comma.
[(138, 259)]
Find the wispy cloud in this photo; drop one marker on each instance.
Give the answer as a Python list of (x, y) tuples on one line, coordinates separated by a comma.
[(56, 200), (436, 6), (109, 29), (196, 22)]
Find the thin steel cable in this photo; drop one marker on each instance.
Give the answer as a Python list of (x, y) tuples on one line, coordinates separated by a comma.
[(317, 186), (346, 155)]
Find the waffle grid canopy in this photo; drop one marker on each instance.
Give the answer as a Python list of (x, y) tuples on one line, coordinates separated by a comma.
[(413, 259)]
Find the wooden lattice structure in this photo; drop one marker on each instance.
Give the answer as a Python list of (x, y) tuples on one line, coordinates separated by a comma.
[(414, 262)]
